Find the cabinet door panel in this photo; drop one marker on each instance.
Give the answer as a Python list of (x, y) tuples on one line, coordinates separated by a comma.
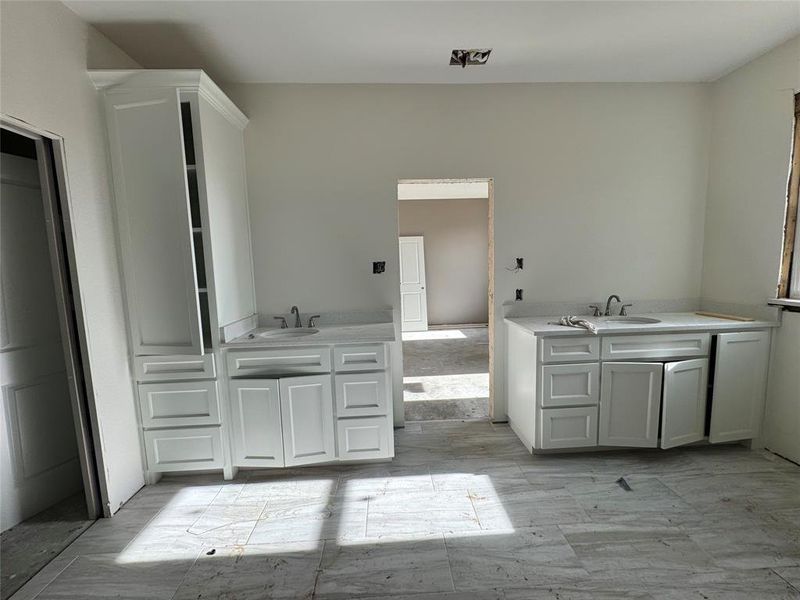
[(683, 408), (630, 394), (567, 427), (740, 377), (307, 416), (179, 404), (187, 449), (145, 136), (363, 438), (361, 394), (570, 385), (256, 427)]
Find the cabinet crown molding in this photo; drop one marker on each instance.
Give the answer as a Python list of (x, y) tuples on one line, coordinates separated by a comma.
[(191, 80)]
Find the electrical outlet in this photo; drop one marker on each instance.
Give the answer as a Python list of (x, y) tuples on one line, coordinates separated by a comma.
[(379, 266), (519, 263), (518, 295)]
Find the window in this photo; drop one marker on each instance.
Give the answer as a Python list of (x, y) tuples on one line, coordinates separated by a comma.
[(789, 283)]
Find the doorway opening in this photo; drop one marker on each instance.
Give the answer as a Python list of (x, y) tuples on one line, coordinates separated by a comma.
[(48, 474), (446, 249)]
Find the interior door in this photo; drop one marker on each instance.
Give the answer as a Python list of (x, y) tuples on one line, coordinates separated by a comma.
[(683, 406), (256, 426), (39, 461), (147, 156), (413, 301), (630, 394), (740, 376), (307, 417)]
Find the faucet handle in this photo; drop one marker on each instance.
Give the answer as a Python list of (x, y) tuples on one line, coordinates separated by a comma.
[(623, 312), (284, 324), (596, 308), (312, 321)]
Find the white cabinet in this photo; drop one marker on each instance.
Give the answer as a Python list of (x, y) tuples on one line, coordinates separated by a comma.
[(567, 427), (363, 438), (256, 422), (361, 394), (307, 417), (185, 449), (683, 406), (570, 385), (179, 404), (630, 394), (570, 349), (740, 376)]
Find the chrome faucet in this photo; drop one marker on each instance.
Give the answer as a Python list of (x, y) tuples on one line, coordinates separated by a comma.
[(608, 304), (296, 312)]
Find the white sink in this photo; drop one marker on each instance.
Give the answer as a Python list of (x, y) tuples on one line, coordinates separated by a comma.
[(287, 333), (632, 320)]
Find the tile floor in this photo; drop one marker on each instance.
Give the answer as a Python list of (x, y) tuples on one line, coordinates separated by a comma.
[(446, 374), (463, 513)]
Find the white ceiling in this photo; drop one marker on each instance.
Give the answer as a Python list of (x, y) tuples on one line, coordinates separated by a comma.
[(410, 42)]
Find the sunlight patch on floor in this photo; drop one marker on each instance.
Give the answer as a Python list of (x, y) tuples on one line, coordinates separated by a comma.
[(433, 334), (446, 387)]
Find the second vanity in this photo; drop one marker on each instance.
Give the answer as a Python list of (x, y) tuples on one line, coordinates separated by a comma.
[(662, 380)]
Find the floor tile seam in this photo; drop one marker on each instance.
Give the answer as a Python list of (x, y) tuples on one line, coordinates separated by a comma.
[(319, 570), (789, 583), (186, 573), (52, 579), (449, 563)]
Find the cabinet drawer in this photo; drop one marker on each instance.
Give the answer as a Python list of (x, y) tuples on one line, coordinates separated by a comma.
[(567, 427), (363, 438), (361, 394), (666, 345), (279, 361), (183, 449), (179, 404), (371, 357), (570, 385), (171, 368), (569, 349)]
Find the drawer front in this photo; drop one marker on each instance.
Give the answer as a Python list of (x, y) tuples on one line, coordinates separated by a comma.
[(370, 357), (183, 449), (172, 368), (569, 349), (570, 385), (567, 427), (363, 438), (667, 345), (361, 394), (279, 361), (179, 404)]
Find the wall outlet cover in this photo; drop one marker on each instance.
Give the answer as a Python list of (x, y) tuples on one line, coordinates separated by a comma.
[(379, 266), (518, 294)]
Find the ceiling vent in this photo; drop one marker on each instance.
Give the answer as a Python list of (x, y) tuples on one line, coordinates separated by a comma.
[(463, 58)]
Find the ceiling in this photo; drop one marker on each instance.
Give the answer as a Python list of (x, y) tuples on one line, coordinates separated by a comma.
[(410, 42)]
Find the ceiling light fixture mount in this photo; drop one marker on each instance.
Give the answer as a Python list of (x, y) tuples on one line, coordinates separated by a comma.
[(463, 58)]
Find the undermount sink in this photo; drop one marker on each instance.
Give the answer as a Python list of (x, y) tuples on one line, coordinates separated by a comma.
[(288, 333), (632, 320)]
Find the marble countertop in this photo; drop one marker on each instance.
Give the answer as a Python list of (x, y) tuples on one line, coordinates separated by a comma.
[(670, 322), (328, 334)]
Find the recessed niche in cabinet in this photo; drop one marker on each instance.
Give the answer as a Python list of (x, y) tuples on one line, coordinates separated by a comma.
[(205, 318), (199, 259), (194, 197), (188, 134)]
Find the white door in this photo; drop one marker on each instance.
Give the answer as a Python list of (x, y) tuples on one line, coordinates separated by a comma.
[(413, 302), (256, 427), (630, 394), (307, 417), (740, 377), (147, 156), (683, 408), (39, 462)]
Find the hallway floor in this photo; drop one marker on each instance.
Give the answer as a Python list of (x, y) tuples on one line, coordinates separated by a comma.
[(446, 374), (462, 513), (30, 545)]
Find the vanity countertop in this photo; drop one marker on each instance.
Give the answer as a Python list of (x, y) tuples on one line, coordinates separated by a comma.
[(670, 323), (328, 334)]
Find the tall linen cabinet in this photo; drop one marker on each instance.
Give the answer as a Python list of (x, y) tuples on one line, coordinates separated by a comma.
[(177, 155)]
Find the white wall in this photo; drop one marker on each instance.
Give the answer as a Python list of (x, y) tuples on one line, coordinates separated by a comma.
[(456, 236), (45, 49), (601, 188), (753, 110)]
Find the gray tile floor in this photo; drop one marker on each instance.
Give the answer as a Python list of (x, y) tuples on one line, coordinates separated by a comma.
[(462, 513), (446, 374)]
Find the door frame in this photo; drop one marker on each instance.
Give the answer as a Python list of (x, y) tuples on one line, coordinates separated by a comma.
[(57, 202), (420, 240), (490, 267)]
